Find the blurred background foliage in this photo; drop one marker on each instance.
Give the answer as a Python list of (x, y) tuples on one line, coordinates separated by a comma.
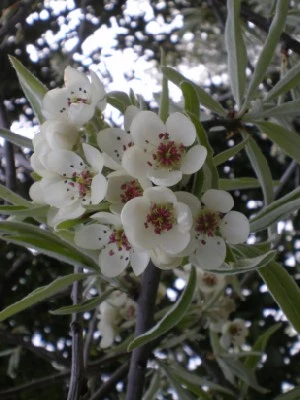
[(46, 36)]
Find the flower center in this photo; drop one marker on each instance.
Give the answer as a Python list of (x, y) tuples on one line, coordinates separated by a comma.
[(235, 330), (161, 217), (82, 181), (78, 97), (168, 154), (207, 222), (120, 239), (209, 279), (130, 190)]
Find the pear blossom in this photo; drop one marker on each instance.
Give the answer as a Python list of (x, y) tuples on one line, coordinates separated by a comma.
[(77, 101), (116, 252), (115, 141), (210, 283), (157, 221), (72, 185), (122, 187), (117, 308), (218, 314), (234, 333), (214, 225), (163, 152)]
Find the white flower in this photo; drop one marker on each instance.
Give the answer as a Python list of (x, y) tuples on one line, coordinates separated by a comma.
[(122, 188), (72, 185), (210, 283), (116, 252), (77, 101), (163, 152), (115, 141), (234, 333), (157, 221), (214, 224)]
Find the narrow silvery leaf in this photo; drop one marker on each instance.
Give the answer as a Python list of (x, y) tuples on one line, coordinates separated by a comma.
[(227, 154), (276, 211), (191, 102), (236, 51), (288, 109), (154, 387), (289, 81), (119, 100), (268, 50), (175, 381), (205, 98), (16, 139), (261, 168), (287, 140), (14, 198), (33, 89), (40, 294), (173, 316), (22, 211), (164, 99), (293, 394), (241, 183)]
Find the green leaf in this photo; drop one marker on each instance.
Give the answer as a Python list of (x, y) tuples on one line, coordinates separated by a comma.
[(175, 382), (276, 211), (268, 50), (246, 264), (293, 394), (260, 346), (191, 102), (23, 211), (281, 286), (236, 50), (86, 305), (261, 167), (241, 183), (287, 140), (173, 316), (290, 80), (16, 139), (288, 109), (205, 99), (164, 98), (33, 89), (211, 176), (154, 387), (41, 294), (243, 373), (227, 154), (28, 235), (12, 197), (119, 100)]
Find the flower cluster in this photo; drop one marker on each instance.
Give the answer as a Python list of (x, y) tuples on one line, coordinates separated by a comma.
[(129, 188)]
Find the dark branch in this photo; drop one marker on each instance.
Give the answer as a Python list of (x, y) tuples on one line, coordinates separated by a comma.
[(77, 344), (8, 150), (145, 312)]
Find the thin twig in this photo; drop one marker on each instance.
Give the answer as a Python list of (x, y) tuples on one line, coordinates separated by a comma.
[(285, 177), (89, 338), (144, 321), (77, 372)]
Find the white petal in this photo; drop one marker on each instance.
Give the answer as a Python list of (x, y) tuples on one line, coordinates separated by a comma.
[(55, 104), (174, 241), (92, 237), (60, 134), (74, 77), (130, 113), (98, 188), (146, 127), (235, 227), (218, 200), (113, 142), (184, 217), (189, 199), (134, 212), (57, 215), (160, 195), (115, 180), (142, 238), (163, 260), (36, 192), (93, 157), (108, 218), (210, 252), (64, 162), (59, 193), (193, 159), (98, 92), (80, 113), (107, 334), (181, 129), (139, 261), (135, 162), (163, 177), (113, 261)]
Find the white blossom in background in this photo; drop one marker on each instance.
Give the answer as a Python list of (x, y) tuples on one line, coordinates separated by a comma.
[(123, 187), (210, 283), (73, 183), (157, 222), (115, 250), (77, 101), (234, 333), (214, 225), (113, 142), (218, 314), (117, 308), (163, 152)]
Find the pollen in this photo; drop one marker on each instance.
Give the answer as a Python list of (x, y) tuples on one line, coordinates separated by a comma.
[(207, 222), (168, 154), (161, 217), (130, 190)]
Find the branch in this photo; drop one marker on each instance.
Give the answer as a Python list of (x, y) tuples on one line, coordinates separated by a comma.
[(89, 337), (105, 389), (8, 150), (77, 344), (145, 313)]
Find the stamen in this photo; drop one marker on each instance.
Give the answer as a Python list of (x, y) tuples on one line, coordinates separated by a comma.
[(161, 217)]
